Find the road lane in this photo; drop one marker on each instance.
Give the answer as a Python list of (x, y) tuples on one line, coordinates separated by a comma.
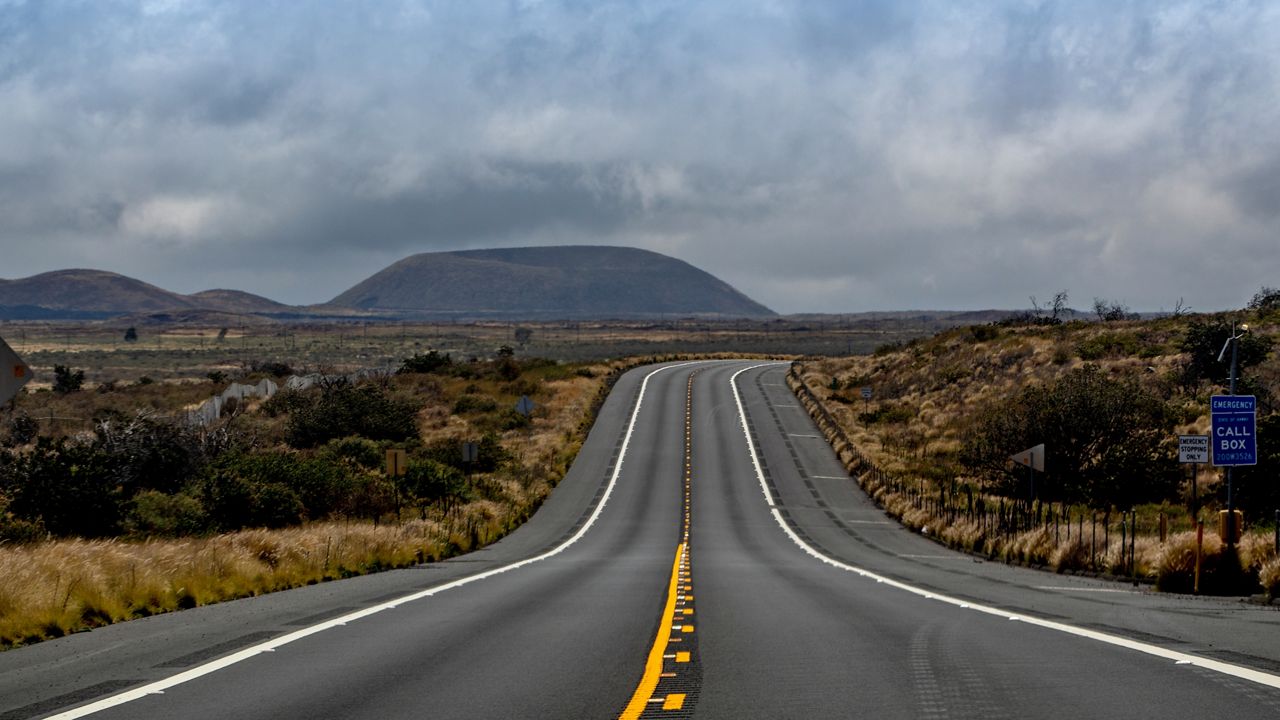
[(562, 637), (784, 635)]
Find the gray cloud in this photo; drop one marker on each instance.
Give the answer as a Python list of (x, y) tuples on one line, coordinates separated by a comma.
[(822, 156)]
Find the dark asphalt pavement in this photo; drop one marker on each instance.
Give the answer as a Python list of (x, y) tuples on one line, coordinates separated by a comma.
[(840, 614)]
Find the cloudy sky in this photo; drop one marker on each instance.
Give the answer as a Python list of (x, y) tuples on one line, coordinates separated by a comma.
[(820, 156)]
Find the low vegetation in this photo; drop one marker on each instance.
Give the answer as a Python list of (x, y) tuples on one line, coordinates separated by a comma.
[(1108, 399), (144, 514)]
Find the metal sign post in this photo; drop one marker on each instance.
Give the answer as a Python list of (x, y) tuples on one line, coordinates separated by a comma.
[(1033, 460), (397, 462), (1234, 419), (524, 406), (1193, 450)]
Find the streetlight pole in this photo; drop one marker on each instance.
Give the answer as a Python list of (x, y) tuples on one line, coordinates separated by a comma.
[(1234, 341)]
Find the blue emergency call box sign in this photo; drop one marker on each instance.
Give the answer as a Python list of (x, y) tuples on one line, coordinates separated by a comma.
[(1234, 436)]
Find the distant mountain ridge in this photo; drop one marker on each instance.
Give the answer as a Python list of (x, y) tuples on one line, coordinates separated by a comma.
[(97, 294), (548, 282), (513, 283)]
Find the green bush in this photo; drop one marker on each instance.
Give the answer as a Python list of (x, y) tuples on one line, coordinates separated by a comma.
[(429, 363), (18, 531), (490, 453), (428, 482), (887, 414), (1105, 441), (157, 514), (68, 487), (984, 333), (67, 380), (474, 404), (322, 484), (1108, 344), (342, 409), (356, 452)]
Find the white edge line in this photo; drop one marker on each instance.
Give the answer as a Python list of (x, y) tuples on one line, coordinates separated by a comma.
[(1179, 658), (159, 686)]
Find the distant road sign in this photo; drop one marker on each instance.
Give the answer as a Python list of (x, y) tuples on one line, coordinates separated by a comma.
[(397, 462), (524, 405), (1234, 421), (866, 393), (14, 373), (1031, 457), (470, 452), (1193, 449)]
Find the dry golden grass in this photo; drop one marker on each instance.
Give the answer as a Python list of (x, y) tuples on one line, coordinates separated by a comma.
[(930, 435), (50, 589)]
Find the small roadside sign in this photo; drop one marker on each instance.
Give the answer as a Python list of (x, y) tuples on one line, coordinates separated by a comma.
[(14, 373), (1234, 426), (866, 393), (1031, 457), (1193, 449), (397, 462), (524, 406), (470, 452)]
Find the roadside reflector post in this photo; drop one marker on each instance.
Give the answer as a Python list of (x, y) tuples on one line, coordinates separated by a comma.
[(1164, 526), (1199, 552), (1124, 528), (1133, 547)]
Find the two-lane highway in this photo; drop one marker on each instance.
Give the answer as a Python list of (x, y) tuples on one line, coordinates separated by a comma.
[(705, 557)]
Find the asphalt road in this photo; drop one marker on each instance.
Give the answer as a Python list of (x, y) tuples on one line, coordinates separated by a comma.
[(794, 597)]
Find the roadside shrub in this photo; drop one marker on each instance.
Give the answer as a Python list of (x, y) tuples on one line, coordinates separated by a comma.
[(234, 501), (22, 429), (356, 452), (428, 482), (68, 487), (1269, 577), (887, 414), (984, 333), (1104, 437), (474, 403), (148, 454), (274, 368), (17, 531), (431, 362), (343, 409), (156, 514), (67, 380), (321, 484), (1108, 344)]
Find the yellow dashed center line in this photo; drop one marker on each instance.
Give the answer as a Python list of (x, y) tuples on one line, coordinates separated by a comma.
[(679, 596)]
